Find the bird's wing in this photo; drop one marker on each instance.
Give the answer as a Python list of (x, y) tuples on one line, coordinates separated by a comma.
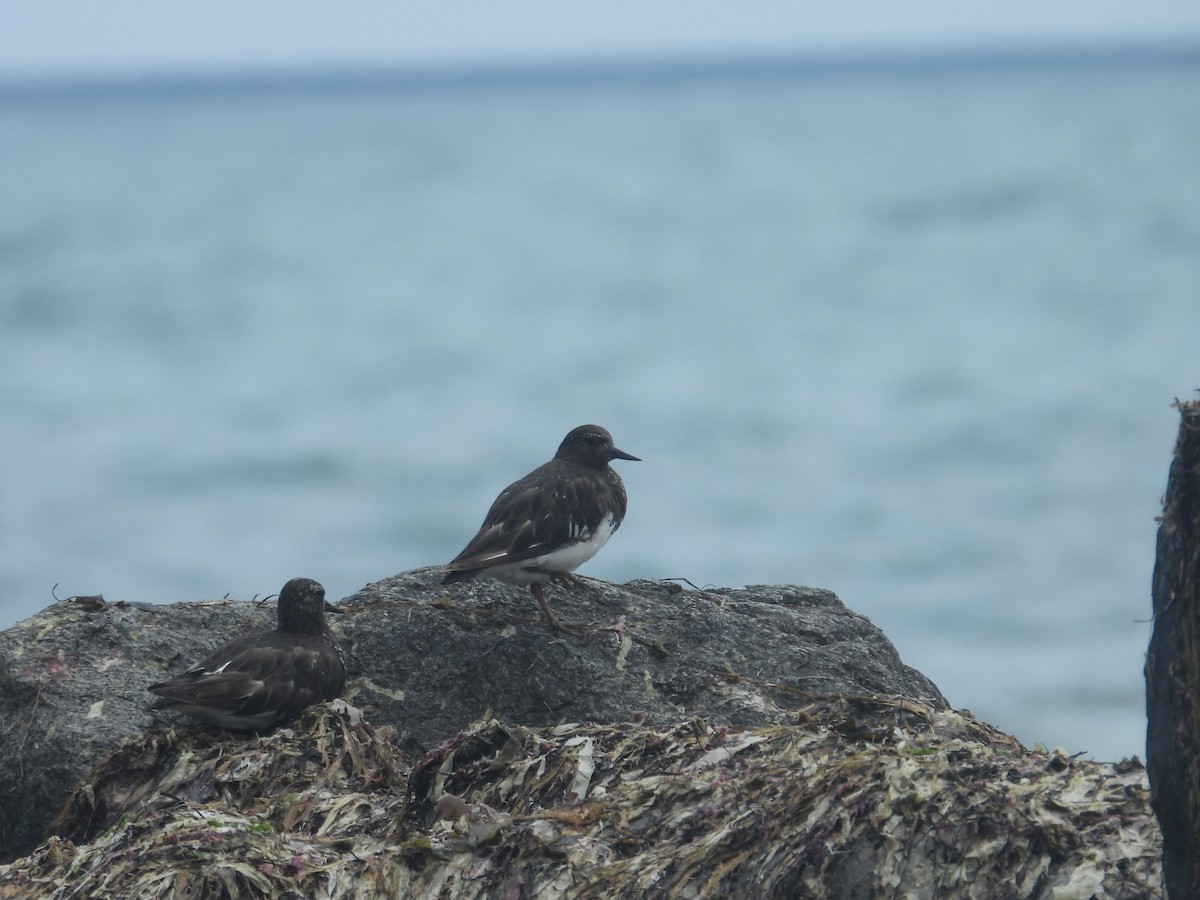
[(542, 512), (252, 676)]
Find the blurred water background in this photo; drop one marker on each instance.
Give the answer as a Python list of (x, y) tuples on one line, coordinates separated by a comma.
[(910, 332)]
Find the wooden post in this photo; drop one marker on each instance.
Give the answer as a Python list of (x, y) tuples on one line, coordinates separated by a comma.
[(1173, 667)]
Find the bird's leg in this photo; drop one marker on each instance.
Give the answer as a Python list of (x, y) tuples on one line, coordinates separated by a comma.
[(551, 619), (566, 579), (617, 629)]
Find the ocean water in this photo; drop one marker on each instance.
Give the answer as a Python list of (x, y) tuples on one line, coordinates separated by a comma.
[(910, 334)]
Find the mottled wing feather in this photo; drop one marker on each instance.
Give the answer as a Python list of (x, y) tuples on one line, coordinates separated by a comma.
[(542, 512)]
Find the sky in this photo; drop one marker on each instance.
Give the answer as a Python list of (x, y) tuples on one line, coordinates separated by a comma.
[(87, 38)]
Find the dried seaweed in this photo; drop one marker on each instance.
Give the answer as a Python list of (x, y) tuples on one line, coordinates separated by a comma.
[(853, 798)]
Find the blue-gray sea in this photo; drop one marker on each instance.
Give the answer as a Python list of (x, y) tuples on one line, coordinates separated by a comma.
[(910, 333)]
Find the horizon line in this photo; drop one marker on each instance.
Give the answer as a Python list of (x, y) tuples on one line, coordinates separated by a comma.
[(602, 69)]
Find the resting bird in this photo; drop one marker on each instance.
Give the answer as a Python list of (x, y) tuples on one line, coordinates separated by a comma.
[(259, 681), (552, 521)]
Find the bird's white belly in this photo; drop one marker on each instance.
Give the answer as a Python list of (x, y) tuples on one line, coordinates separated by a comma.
[(564, 559)]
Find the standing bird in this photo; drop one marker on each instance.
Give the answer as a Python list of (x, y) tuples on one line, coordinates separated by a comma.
[(259, 681), (552, 521)]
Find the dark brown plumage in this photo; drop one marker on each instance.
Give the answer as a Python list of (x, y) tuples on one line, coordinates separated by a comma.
[(553, 520), (259, 681)]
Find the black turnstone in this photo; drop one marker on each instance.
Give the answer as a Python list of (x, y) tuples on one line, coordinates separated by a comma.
[(552, 521), (259, 681)]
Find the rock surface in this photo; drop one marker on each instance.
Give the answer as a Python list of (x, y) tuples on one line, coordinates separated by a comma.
[(428, 661), (1173, 665)]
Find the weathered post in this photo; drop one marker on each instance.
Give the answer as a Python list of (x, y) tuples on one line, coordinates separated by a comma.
[(1173, 666)]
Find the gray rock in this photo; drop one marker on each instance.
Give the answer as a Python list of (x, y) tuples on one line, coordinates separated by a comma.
[(1172, 666), (429, 660), (738, 656)]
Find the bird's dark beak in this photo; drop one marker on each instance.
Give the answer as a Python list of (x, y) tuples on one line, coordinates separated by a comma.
[(621, 454), (329, 607)]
